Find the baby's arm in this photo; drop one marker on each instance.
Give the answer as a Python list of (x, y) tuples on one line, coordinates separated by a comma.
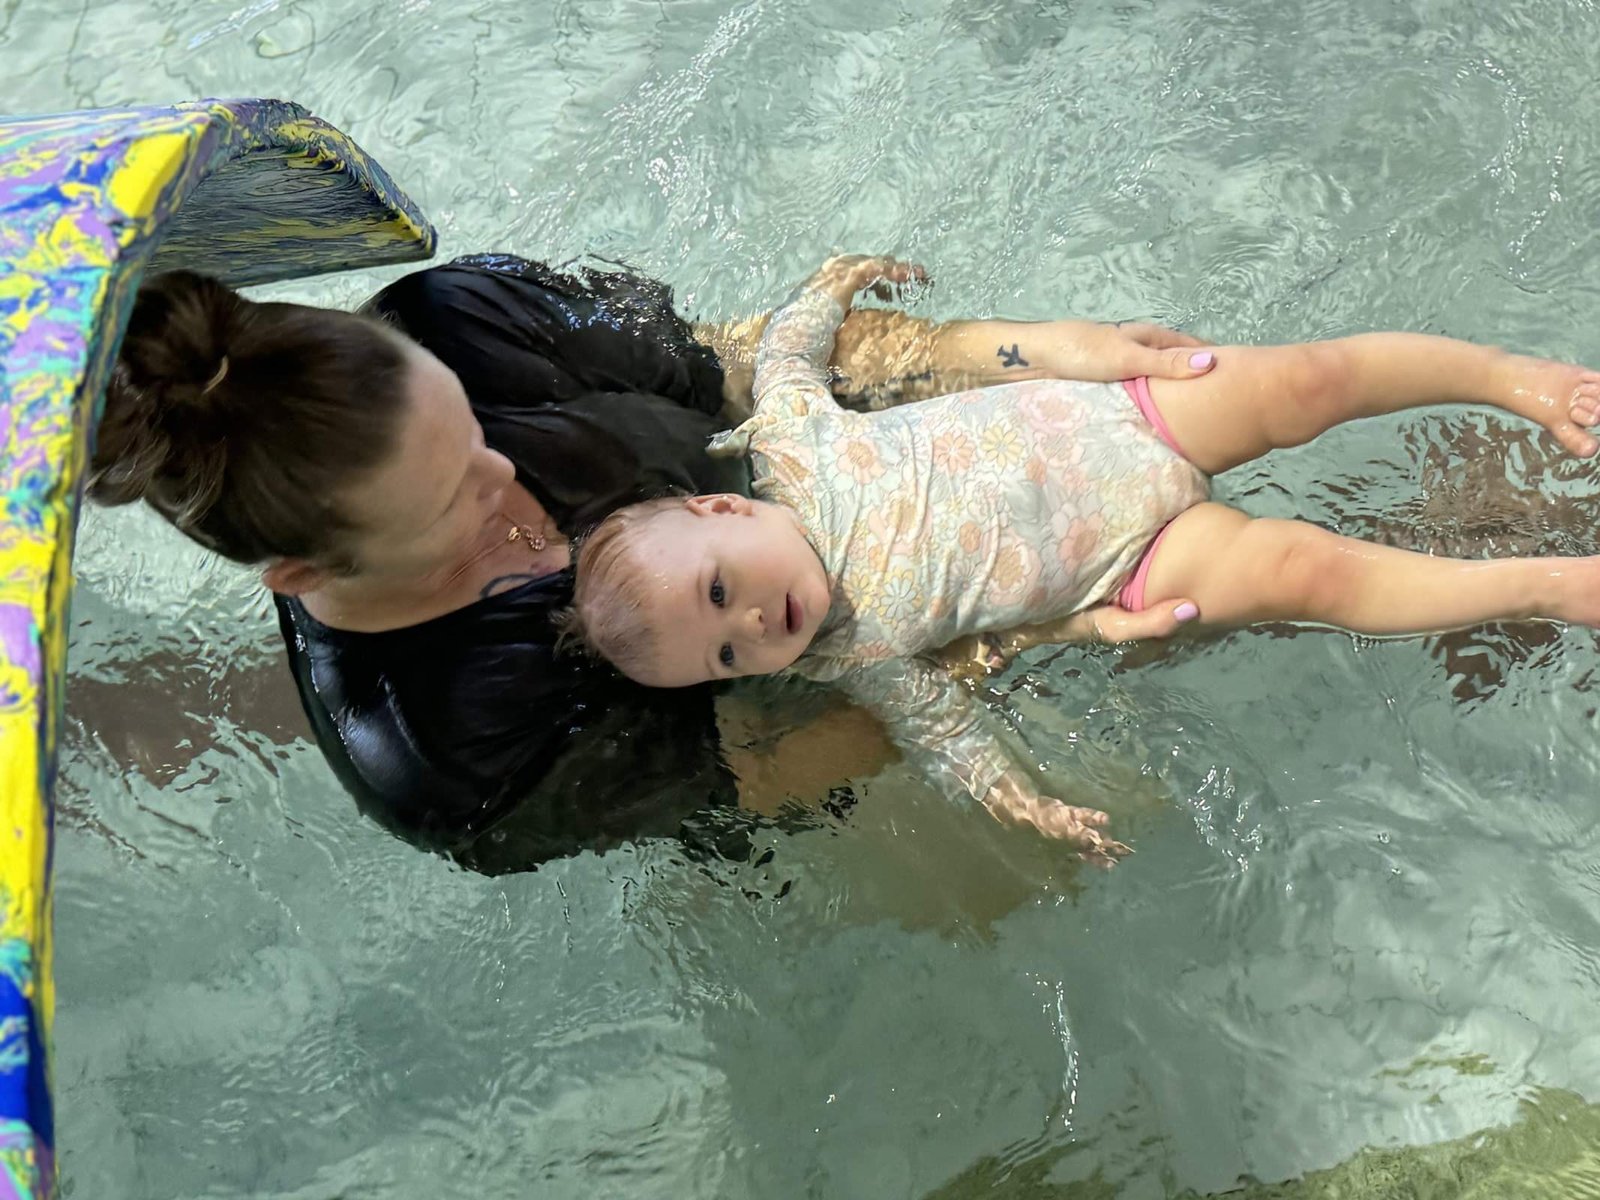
[(791, 370), (941, 728)]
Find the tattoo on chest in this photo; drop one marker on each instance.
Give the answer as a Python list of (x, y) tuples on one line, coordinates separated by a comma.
[(1012, 357), (501, 584)]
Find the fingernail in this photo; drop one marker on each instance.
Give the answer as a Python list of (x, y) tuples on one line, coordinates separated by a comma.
[(1201, 359), (1186, 611)]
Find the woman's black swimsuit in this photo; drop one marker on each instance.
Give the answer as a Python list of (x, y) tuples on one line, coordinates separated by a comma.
[(469, 733)]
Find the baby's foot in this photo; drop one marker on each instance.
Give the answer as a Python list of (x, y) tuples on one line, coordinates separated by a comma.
[(1563, 398)]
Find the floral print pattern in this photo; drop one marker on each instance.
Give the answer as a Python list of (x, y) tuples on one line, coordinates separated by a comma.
[(963, 514)]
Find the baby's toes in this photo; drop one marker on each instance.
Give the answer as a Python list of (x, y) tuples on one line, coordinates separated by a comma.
[(1585, 408)]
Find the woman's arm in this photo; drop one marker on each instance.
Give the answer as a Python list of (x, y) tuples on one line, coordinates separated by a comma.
[(782, 758), (979, 655), (883, 358)]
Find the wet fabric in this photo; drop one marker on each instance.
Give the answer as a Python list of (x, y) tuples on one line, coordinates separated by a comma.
[(968, 513), (469, 733)]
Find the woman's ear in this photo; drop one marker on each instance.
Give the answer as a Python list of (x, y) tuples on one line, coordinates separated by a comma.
[(721, 502), (294, 576)]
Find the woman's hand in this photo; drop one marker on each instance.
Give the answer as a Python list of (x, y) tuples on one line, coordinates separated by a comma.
[(984, 654), (1106, 353), (845, 275)]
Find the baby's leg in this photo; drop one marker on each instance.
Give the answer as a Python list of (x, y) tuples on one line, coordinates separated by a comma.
[(1270, 397), (1242, 570)]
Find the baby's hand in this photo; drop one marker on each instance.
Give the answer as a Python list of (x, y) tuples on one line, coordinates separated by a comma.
[(846, 274), (1018, 804), (972, 657)]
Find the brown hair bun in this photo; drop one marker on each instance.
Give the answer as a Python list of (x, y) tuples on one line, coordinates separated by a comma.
[(240, 422), (150, 442)]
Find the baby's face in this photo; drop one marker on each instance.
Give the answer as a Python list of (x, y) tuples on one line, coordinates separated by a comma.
[(736, 590)]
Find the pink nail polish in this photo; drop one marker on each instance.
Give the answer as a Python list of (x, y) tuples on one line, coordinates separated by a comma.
[(1186, 612), (1201, 359)]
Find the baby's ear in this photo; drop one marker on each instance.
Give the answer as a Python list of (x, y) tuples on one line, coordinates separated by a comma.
[(721, 502)]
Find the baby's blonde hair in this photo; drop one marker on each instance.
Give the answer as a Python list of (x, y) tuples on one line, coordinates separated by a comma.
[(608, 613)]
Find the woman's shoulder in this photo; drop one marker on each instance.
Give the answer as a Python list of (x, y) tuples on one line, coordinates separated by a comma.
[(512, 287), (444, 732), (520, 333), (529, 606)]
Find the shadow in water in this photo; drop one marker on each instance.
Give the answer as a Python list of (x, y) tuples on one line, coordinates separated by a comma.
[(1550, 1152)]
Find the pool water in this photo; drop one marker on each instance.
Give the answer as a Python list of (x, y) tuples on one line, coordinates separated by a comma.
[(1365, 905)]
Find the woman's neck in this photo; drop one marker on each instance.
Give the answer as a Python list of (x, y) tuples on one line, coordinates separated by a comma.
[(500, 560), (374, 604)]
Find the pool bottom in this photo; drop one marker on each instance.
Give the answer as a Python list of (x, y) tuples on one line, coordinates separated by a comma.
[(1551, 1152)]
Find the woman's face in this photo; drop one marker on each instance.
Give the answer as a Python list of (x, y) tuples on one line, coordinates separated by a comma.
[(437, 499)]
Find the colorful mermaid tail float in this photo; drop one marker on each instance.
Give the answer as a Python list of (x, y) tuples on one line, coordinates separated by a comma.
[(249, 190)]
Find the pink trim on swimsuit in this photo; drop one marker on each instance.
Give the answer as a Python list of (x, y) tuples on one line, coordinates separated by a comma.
[(1131, 597), (1139, 393)]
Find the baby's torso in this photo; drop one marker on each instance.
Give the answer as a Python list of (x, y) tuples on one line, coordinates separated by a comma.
[(971, 512)]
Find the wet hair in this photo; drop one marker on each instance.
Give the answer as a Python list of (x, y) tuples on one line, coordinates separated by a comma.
[(241, 422), (607, 617)]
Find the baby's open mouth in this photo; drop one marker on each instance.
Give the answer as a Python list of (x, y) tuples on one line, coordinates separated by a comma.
[(793, 614)]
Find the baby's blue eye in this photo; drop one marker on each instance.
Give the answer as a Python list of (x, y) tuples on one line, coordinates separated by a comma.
[(726, 655), (718, 595)]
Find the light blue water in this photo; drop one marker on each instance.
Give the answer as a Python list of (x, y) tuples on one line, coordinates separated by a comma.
[(1357, 863)]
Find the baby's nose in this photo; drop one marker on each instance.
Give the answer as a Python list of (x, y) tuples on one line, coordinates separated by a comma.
[(755, 623)]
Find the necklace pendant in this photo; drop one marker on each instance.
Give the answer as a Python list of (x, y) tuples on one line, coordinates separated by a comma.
[(521, 533)]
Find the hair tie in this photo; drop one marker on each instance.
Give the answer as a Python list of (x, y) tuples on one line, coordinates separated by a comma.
[(217, 378)]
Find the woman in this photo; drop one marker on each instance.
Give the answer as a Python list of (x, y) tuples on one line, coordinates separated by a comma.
[(409, 479)]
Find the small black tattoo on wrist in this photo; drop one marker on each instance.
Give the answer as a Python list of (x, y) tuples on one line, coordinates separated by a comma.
[(1012, 357)]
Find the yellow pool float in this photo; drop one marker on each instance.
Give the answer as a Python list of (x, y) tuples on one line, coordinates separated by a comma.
[(248, 190)]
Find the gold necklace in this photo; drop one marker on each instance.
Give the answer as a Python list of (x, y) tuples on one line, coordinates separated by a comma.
[(535, 540), (523, 533)]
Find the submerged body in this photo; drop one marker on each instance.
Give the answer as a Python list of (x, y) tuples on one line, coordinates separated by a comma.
[(891, 534), (877, 537), (969, 513)]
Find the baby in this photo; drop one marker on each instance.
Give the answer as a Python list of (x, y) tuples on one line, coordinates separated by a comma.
[(877, 537)]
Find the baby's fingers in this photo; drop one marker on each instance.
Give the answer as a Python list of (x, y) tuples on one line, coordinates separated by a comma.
[(973, 657), (892, 274), (1096, 849), (880, 272)]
